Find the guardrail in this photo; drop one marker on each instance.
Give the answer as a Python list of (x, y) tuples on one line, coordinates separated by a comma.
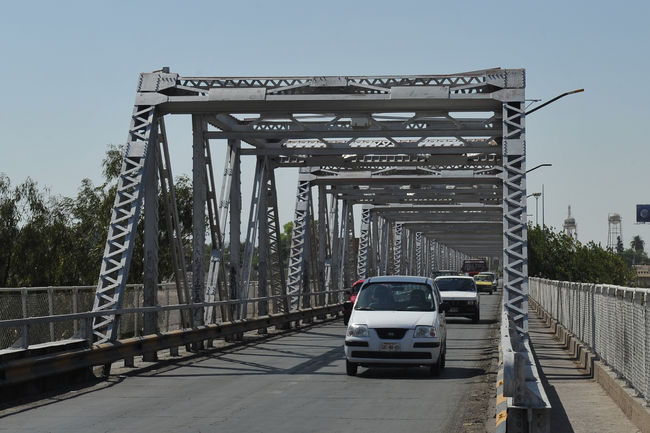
[(613, 321), (25, 302), (519, 388), (26, 362)]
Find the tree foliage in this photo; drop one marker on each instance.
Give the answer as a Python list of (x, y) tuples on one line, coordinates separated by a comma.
[(53, 240), (557, 256)]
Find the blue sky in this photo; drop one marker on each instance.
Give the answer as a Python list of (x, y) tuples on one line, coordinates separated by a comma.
[(70, 68)]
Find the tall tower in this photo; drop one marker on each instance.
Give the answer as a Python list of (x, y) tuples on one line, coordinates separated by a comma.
[(615, 230), (570, 226)]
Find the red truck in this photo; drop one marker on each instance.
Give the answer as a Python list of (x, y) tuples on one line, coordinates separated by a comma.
[(474, 266)]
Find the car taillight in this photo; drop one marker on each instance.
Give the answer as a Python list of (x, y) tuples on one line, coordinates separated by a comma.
[(353, 298)]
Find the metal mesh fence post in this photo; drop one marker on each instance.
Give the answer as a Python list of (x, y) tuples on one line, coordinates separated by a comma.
[(646, 319)]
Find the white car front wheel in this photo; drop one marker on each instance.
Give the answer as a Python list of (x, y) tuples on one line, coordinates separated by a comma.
[(351, 368)]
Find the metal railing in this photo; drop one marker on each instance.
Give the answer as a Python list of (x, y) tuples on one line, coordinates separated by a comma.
[(74, 348), (613, 321), (31, 316)]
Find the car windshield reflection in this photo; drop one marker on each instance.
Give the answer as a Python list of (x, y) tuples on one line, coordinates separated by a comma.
[(388, 296), (455, 284)]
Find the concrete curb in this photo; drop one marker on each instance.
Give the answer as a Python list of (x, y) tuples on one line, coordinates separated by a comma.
[(632, 406)]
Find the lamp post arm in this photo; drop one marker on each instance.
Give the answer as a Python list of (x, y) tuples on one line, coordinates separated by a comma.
[(553, 100)]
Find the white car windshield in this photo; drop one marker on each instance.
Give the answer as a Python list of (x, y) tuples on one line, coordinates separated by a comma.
[(397, 296), (456, 284)]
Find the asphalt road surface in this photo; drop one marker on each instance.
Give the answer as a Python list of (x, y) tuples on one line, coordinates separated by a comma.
[(290, 383)]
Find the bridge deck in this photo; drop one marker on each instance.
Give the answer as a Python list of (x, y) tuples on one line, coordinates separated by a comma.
[(291, 383)]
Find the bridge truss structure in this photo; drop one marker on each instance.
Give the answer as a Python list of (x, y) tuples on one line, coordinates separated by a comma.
[(435, 165)]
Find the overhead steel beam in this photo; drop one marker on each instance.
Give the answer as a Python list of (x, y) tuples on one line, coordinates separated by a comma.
[(268, 133)]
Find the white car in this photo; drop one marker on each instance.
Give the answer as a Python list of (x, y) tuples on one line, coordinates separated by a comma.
[(461, 296), (397, 320)]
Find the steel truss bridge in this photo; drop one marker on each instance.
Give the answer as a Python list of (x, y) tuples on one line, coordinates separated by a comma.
[(436, 162)]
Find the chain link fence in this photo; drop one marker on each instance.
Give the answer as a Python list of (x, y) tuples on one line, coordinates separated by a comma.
[(613, 321)]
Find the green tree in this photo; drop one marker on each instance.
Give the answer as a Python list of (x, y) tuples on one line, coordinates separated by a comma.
[(38, 255), (560, 257), (619, 245), (632, 257), (9, 218), (637, 244)]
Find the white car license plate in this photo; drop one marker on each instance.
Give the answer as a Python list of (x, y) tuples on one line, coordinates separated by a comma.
[(390, 347)]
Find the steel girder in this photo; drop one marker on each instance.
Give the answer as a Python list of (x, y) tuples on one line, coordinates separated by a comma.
[(275, 261), (515, 257), (364, 243), (199, 195), (397, 249), (256, 212), (168, 194), (418, 253), (297, 269), (216, 270), (124, 219)]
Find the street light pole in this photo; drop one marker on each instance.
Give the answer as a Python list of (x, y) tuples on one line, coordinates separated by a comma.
[(536, 195), (543, 223), (546, 164)]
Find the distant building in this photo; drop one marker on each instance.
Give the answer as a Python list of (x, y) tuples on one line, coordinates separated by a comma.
[(642, 275)]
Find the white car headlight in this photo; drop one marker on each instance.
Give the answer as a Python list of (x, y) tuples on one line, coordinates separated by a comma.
[(355, 330), (424, 331)]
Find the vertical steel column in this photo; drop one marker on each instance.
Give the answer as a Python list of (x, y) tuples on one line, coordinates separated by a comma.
[(426, 252), (124, 220), (198, 216), (216, 269), (384, 247), (344, 244), (263, 248), (276, 261), (418, 253), (410, 252), (168, 195), (515, 251), (444, 256), (335, 243), (235, 226), (323, 261), (251, 233), (351, 248), (364, 242), (375, 245), (150, 276), (299, 238), (434, 255), (397, 249), (311, 277), (217, 264)]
